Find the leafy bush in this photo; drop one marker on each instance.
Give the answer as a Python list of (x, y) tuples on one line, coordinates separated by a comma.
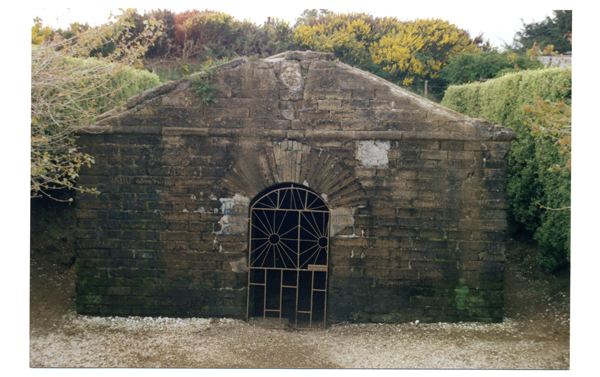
[(470, 67), (273, 37), (405, 52), (532, 181), (164, 44), (69, 90)]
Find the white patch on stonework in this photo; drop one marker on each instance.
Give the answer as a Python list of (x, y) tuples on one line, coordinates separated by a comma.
[(372, 153), (238, 265), (340, 219), (235, 215)]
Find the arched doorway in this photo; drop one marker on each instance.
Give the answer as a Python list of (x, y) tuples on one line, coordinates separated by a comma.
[(288, 257)]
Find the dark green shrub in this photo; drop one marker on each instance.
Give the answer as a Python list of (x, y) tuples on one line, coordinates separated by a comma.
[(466, 68), (273, 37), (530, 183), (164, 44)]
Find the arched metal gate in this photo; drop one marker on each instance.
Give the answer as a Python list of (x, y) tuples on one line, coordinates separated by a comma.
[(288, 258)]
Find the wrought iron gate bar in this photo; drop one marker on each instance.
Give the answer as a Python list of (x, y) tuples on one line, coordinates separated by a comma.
[(292, 210), (272, 268)]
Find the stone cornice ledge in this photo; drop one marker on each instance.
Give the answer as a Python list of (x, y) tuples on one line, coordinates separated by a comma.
[(500, 134)]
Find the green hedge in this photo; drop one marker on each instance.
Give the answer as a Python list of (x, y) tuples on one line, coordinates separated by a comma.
[(465, 68), (529, 181), (128, 82)]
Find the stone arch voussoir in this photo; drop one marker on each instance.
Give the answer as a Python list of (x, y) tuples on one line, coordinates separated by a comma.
[(254, 170)]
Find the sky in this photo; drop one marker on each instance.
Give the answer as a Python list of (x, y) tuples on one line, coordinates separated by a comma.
[(497, 24)]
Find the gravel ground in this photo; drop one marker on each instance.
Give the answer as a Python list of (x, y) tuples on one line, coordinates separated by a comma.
[(226, 343), (534, 335)]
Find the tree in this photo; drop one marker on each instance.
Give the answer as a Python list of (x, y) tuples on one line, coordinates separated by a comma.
[(551, 31), (309, 16), (71, 84)]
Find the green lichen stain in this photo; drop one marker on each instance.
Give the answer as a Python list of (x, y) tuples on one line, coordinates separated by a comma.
[(93, 300), (467, 303)]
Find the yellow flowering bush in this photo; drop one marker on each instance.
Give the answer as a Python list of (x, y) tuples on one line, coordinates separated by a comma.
[(39, 32), (399, 51), (349, 36), (420, 49)]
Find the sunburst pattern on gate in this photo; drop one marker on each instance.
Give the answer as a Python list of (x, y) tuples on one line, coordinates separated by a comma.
[(290, 229)]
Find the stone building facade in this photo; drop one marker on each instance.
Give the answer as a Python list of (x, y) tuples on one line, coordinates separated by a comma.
[(294, 187)]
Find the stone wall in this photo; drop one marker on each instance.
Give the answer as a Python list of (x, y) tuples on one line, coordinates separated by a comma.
[(416, 194)]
